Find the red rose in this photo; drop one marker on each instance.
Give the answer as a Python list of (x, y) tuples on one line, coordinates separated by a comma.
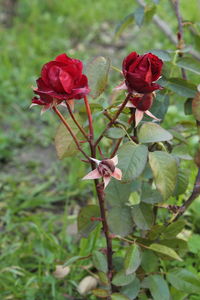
[(61, 79), (142, 103), (140, 72)]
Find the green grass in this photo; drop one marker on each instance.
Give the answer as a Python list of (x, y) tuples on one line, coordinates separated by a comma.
[(39, 194)]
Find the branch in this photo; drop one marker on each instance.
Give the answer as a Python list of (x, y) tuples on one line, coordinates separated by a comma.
[(189, 201), (164, 27), (76, 122), (89, 118), (180, 40), (113, 120)]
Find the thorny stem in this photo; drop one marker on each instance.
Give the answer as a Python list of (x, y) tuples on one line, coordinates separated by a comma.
[(113, 119), (180, 45), (189, 201), (101, 197), (116, 147), (70, 131), (99, 186), (196, 188), (89, 118), (76, 122)]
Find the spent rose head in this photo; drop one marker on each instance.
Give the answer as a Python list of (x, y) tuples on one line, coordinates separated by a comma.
[(141, 72), (106, 168), (61, 79)]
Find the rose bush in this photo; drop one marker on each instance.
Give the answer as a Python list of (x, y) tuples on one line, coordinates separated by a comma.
[(140, 72), (61, 79)]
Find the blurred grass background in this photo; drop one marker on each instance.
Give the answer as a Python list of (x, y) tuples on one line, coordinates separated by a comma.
[(40, 194)]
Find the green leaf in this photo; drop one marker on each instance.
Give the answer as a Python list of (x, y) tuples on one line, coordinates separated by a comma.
[(182, 182), (165, 170), (150, 196), (100, 293), (132, 259), (124, 24), (117, 193), (184, 280), (157, 286), (188, 107), (150, 261), (132, 160), (189, 63), (177, 295), (118, 296), (73, 260), (121, 278), (143, 216), (165, 250), (196, 107), (178, 136), (115, 133), (103, 278), (139, 15), (151, 133), (181, 151), (131, 290), (194, 243), (155, 232), (178, 245), (159, 107), (150, 10), (134, 199), (162, 54), (120, 220), (180, 86), (97, 72), (99, 261), (85, 224), (173, 229), (64, 143)]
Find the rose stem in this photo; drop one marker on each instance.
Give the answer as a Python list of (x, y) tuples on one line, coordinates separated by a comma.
[(101, 199), (89, 118), (76, 122), (70, 131), (196, 187), (180, 45), (116, 147), (113, 120)]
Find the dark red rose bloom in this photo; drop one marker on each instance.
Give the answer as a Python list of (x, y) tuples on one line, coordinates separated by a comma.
[(61, 79), (140, 72), (142, 103)]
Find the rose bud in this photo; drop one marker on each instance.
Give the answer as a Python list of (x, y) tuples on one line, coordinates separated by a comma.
[(61, 79), (106, 169), (142, 105), (141, 71)]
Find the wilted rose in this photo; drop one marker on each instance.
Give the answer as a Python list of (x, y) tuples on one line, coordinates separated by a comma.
[(141, 72), (61, 79), (106, 168)]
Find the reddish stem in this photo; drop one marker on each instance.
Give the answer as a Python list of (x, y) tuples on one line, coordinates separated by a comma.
[(113, 120), (76, 122), (89, 118), (101, 199), (116, 147)]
